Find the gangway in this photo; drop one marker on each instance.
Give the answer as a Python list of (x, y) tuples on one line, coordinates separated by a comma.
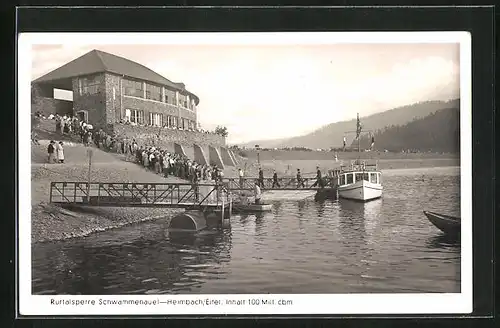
[(118, 194)]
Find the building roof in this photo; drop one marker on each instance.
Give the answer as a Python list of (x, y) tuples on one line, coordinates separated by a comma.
[(97, 61)]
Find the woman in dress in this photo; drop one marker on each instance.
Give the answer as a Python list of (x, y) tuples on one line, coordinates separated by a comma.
[(60, 152)]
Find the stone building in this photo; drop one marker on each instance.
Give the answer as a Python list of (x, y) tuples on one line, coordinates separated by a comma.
[(109, 90)]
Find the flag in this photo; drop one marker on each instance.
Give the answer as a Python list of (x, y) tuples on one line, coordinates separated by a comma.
[(358, 128)]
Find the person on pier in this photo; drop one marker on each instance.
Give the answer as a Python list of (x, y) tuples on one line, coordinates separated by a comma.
[(261, 178), (240, 173), (275, 180), (319, 180), (300, 181), (257, 193)]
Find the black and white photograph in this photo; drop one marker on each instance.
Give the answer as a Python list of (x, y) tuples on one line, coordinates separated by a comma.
[(245, 173)]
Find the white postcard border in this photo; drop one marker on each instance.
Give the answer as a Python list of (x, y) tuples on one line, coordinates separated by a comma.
[(40, 305)]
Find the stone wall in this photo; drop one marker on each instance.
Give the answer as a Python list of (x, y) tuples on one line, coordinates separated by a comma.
[(144, 135), (49, 106), (42, 100), (114, 110), (94, 104)]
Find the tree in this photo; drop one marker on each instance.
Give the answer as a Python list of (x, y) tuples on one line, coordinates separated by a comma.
[(222, 131)]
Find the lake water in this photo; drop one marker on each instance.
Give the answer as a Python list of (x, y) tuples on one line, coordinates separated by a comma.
[(302, 246)]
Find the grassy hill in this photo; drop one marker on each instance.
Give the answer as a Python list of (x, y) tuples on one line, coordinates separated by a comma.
[(437, 132), (331, 135)]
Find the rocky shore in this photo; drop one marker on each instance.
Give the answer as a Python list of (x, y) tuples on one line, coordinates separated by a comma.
[(52, 223)]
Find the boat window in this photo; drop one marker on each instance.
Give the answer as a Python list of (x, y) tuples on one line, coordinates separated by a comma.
[(359, 176), (349, 177), (365, 177), (373, 177), (342, 179), (379, 178)]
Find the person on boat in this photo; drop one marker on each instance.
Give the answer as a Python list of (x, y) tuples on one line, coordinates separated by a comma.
[(275, 180), (257, 193), (344, 144), (300, 181), (261, 178), (319, 180)]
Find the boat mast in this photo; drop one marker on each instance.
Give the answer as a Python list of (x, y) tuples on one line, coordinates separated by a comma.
[(358, 134)]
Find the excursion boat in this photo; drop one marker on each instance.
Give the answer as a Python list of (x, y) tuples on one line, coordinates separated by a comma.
[(360, 181), (446, 223)]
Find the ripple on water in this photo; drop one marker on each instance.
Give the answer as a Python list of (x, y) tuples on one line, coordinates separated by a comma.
[(301, 246)]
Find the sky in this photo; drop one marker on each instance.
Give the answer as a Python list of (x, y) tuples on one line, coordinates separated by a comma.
[(276, 91)]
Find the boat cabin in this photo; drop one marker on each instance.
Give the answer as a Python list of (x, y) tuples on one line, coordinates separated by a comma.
[(346, 178), (359, 172)]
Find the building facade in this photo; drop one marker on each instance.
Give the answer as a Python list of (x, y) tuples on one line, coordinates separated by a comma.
[(109, 90)]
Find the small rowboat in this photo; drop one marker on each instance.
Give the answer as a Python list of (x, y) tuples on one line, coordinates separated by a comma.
[(446, 223), (252, 207)]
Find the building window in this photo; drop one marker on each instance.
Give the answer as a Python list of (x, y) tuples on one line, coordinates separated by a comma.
[(155, 119), (175, 122), (136, 116), (89, 86), (133, 88), (127, 115), (166, 99), (153, 92)]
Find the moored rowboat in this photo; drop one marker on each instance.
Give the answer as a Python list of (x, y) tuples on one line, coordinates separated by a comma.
[(252, 207), (446, 223)]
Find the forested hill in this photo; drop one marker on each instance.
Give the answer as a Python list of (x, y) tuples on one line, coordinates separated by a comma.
[(331, 135), (437, 132)]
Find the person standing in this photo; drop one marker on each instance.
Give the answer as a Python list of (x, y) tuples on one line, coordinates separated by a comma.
[(240, 173), (319, 180), (261, 178), (50, 151), (257, 193), (60, 152), (275, 180), (300, 181)]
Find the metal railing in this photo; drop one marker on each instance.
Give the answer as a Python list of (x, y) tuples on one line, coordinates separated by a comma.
[(140, 194), (285, 183)]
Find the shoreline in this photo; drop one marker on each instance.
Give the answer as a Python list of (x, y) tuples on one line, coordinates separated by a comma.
[(52, 223)]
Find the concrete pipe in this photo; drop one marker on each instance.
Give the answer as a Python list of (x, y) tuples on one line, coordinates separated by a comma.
[(189, 220)]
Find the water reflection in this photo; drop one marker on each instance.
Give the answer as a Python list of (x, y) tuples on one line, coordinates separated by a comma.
[(177, 262), (444, 241), (303, 246)]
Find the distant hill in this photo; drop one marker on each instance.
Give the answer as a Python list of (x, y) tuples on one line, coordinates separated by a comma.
[(331, 135), (437, 132)]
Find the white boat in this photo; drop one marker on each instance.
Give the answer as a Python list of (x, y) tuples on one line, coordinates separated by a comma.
[(360, 181)]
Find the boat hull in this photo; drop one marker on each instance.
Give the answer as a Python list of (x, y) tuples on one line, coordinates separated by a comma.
[(252, 208), (445, 223), (361, 190)]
